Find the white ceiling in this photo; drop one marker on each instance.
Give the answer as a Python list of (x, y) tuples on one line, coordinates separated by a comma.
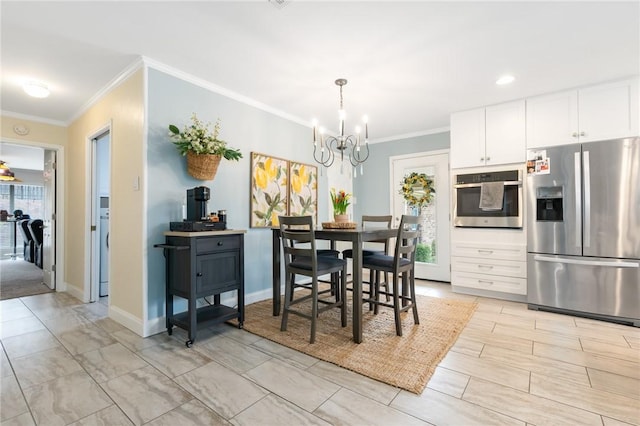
[(409, 64)]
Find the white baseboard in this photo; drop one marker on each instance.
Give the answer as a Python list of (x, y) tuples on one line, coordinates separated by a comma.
[(125, 318), (74, 291)]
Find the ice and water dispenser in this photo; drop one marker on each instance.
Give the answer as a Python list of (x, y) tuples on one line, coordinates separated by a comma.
[(549, 204)]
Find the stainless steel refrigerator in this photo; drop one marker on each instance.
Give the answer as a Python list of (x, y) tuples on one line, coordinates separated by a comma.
[(583, 229)]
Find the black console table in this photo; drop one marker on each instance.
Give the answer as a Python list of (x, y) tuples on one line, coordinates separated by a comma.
[(200, 264)]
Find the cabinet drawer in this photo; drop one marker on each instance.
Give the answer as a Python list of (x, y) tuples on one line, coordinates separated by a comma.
[(489, 251), (509, 268), (490, 282), (213, 244)]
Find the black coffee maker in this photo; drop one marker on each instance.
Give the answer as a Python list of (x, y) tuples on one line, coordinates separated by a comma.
[(197, 203)]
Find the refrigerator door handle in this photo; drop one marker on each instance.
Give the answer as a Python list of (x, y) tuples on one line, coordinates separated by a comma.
[(578, 170), (611, 264), (587, 200)]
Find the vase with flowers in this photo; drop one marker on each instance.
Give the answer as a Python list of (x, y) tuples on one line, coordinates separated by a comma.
[(340, 200), (202, 147)]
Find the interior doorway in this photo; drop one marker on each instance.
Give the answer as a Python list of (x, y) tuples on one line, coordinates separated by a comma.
[(100, 197), (432, 258)]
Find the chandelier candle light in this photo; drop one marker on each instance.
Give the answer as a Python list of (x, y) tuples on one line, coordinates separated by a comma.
[(330, 146)]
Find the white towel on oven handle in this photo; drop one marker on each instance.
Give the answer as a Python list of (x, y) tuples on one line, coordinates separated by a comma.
[(491, 195)]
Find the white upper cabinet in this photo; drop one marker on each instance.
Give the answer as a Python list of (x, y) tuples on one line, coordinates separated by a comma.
[(488, 136), (606, 111)]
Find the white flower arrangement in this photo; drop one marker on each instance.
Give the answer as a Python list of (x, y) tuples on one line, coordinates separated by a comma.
[(198, 139)]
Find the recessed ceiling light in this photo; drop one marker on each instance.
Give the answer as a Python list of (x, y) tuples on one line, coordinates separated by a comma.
[(505, 79), (36, 89)]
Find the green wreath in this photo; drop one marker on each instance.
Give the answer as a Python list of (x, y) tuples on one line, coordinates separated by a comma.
[(417, 189)]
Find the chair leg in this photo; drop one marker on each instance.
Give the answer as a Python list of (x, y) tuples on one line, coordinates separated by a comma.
[(412, 288), (386, 284), (314, 309), (396, 305), (288, 295), (343, 292), (376, 293)]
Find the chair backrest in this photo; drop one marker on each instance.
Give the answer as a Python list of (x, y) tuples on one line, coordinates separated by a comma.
[(407, 239), (294, 231), (373, 222), (24, 228)]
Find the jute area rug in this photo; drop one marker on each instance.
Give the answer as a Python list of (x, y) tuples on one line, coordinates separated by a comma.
[(406, 362), (19, 278)]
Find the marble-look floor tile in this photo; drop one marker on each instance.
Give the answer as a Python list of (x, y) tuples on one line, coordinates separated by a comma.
[(497, 372), (30, 343), (611, 350), (291, 356), (110, 416), (273, 410), (536, 335), (110, 362), (634, 342), (293, 384), (221, 389), (506, 319), (136, 343), (17, 327), (439, 409), (480, 324), (12, 402), (526, 407), (23, 419), (92, 311), (349, 408), (607, 421), (109, 325), (545, 366), (612, 405), (64, 320), (5, 366), (173, 359), (614, 383), (229, 352), (606, 327), (66, 399), (235, 333), (86, 338), (43, 366), (448, 382), (193, 412), (586, 359), (358, 383), (530, 313), (13, 309), (49, 300), (467, 346), (145, 394)]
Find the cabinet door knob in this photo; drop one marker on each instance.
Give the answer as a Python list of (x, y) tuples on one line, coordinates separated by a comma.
[(583, 134), (574, 134), (220, 243), (199, 274), (481, 158), (488, 158)]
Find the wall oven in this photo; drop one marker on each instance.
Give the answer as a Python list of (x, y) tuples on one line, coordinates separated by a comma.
[(467, 191)]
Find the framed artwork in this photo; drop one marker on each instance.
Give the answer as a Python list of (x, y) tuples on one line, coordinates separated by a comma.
[(303, 190), (269, 190)]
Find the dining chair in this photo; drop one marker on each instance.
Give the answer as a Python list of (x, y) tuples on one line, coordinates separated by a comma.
[(369, 221), (401, 263), (301, 258)]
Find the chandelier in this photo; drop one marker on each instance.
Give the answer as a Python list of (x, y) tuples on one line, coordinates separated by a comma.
[(6, 174), (331, 146)]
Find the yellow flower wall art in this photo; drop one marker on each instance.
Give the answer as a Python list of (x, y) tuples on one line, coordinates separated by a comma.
[(303, 190), (268, 190)]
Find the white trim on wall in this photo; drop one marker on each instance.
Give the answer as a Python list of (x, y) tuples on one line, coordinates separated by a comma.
[(33, 118), (411, 135)]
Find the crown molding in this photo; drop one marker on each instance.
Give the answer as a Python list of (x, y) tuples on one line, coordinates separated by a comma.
[(174, 72), (411, 135), (115, 82), (33, 118)]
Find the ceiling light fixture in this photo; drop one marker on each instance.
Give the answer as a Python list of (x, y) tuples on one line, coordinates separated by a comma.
[(36, 89), (6, 174), (331, 146), (505, 79)]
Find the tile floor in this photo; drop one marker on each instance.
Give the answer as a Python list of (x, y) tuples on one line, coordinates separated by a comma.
[(64, 362)]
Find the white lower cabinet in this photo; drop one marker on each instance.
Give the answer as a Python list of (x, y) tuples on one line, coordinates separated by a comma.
[(490, 267)]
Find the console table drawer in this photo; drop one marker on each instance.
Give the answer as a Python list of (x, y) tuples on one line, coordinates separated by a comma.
[(213, 244)]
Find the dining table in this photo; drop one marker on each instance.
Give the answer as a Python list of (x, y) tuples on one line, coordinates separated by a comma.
[(357, 237)]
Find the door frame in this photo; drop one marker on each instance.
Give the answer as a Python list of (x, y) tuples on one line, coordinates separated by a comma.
[(58, 280), (446, 242), (92, 218)]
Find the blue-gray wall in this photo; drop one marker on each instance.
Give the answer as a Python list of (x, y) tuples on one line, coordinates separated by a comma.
[(172, 101), (372, 189)]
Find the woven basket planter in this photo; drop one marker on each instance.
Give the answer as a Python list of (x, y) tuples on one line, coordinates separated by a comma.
[(202, 166)]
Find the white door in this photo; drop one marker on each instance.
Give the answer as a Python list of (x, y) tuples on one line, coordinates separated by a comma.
[(432, 261), (49, 219)]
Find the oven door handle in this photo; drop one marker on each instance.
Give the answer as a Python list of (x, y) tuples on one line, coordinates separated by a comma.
[(478, 185)]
